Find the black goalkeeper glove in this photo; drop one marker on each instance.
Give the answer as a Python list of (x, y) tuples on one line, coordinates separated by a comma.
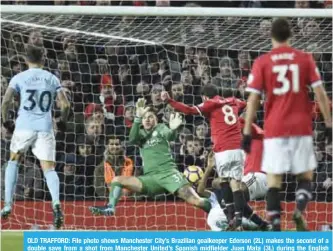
[(328, 135), (9, 125), (61, 125), (246, 143)]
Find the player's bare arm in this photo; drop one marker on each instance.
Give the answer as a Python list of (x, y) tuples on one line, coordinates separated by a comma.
[(324, 106), (7, 100), (201, 189), (252, 107), (64, 105)]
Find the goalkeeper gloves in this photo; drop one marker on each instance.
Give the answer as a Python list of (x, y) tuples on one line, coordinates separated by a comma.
[(9, 125), (328, 135), (246, 143)]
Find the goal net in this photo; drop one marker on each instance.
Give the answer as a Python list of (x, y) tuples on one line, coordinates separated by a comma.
[(106, 58)]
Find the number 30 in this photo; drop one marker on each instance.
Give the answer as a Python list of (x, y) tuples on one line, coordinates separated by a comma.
[(282, 70)]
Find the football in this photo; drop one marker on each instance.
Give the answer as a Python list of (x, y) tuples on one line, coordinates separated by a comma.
[(193, 174)]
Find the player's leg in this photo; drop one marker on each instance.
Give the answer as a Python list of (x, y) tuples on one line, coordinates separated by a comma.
[(188, 194), (44, 149), (230, 167), (303, 164), (21, 140), (175, 182), (133, 184), (254, 187), (276, 162)]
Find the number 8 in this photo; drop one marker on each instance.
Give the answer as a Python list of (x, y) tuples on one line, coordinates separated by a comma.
[(229, 116)]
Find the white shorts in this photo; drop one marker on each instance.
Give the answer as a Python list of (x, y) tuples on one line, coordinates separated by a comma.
[(256, 184), (230, 164), (292, 154), (42, 144)]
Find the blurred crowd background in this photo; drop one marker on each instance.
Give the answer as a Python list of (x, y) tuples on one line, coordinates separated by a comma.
[(104, 82)]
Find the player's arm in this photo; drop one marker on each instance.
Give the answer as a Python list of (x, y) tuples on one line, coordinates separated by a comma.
[(321, 96), (254, 86), (201, 189), (175, 121), (64, 105), (178, 106), (135, 136), (7, 100), (324, 104)]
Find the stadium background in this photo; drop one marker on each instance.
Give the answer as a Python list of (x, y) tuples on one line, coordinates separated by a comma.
[(122, 71)]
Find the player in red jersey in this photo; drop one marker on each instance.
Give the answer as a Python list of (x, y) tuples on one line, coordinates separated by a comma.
[(254, 182), (226, 137), (284, 75)]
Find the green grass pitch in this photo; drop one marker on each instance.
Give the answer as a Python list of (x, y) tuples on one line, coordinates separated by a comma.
[(11, 241)]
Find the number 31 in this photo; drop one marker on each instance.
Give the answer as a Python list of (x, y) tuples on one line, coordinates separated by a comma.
[(282, 70)]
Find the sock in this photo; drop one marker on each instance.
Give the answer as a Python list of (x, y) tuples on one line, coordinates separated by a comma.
[(219, 195), (206, 206), (115, 193), (249, 214), (11, 174), (52, 181), (239, 206), (274, 208), (228, 200), (303, 194)]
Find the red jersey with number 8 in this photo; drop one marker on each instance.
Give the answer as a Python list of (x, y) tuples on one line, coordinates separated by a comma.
[(284, 75), (223, 118)]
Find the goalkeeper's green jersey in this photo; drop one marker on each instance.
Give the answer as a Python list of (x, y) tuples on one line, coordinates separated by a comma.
[(154, 146)]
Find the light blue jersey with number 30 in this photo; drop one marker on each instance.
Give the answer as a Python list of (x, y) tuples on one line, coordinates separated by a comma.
[(37, 89)]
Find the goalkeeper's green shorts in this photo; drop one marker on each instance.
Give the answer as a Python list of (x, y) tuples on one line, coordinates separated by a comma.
[(162, 182)]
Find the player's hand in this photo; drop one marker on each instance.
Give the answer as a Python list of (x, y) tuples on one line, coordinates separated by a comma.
[(61, 126), (328, 135), (9, 125), (210, 160), (141, 108), (246, 143), (165, 96), (175, 121)]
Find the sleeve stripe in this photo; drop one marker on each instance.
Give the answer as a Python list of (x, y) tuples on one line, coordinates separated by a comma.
[(317, 83), (198, 109), (249, 89)]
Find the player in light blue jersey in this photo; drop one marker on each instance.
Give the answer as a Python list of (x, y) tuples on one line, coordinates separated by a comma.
[(34, 126)]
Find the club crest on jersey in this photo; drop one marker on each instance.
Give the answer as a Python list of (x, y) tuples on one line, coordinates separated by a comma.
[(154, 134)]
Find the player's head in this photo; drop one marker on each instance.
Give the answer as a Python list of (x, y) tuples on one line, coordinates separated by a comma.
[(209, 91), (149, 120), (35, 54), (280, 31)]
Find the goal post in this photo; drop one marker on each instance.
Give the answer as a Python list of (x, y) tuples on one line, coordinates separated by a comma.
[(140, 51)]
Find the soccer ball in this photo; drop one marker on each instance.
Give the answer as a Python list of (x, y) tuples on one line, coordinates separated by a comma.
[(193, 174)]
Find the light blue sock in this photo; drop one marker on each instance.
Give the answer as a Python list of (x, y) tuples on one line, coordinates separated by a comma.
[(52, 181), (11, 174)]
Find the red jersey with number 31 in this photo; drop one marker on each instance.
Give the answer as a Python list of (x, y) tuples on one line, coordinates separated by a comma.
[(223, 118), (284, 75)]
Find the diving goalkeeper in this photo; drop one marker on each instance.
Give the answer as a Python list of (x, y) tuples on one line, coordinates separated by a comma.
[(160, 170)]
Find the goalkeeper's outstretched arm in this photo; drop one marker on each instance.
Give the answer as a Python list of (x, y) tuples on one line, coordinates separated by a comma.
[(134, 135)]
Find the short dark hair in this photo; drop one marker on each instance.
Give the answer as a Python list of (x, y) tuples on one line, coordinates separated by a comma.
[(35, 54), (281, 30), (210, 91)]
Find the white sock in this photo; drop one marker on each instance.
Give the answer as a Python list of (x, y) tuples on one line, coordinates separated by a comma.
[(52, 181), (11, 174)]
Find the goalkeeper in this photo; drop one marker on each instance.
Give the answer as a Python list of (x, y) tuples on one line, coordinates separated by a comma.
[(160, 170)]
